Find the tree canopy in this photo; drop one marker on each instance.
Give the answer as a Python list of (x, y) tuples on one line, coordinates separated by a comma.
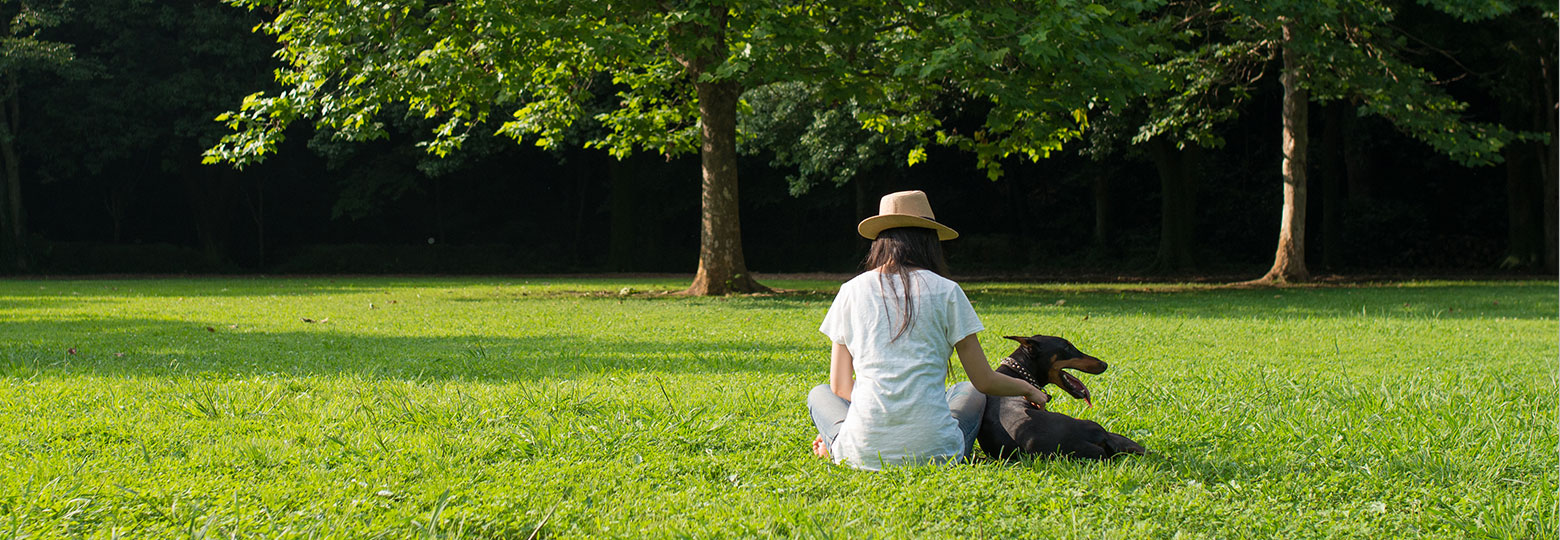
[(1348, 51), (675, 73), (105, 146)]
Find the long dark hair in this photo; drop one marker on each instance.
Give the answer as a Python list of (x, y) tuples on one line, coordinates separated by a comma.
[(898, 251)]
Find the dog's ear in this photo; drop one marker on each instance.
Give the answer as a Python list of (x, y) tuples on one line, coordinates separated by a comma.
[(1021, 339)]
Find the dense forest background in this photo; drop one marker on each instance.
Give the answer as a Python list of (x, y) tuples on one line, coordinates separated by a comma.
[(107, 157)]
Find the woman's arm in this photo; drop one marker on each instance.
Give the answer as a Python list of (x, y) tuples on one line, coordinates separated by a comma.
[(990, 382), (842, 371)]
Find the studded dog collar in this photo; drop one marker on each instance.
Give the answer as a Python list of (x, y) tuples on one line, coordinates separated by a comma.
[(1010, 362)]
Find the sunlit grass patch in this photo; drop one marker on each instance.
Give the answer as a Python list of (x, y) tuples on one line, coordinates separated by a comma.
[(503, 407)]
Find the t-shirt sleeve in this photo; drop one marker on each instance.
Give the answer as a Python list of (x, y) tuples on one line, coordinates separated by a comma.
[(836, 323), (962, 320)]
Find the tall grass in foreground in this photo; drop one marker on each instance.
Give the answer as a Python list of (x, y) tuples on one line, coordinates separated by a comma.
[(479, 408)]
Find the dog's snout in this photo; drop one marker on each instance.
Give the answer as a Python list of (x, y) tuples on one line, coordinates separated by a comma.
[(1089, 364)]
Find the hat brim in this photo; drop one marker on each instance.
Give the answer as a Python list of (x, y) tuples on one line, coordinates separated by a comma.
[(870, 227)]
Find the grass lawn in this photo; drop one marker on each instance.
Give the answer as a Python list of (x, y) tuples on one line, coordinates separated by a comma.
[(506, 407)]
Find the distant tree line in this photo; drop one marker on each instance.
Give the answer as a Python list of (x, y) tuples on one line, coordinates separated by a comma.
[(1079, 137)]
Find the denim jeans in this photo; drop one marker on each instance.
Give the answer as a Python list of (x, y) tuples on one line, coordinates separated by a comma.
[(966, 404)]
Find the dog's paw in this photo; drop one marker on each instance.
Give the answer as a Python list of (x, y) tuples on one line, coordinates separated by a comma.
[(1119, 445)]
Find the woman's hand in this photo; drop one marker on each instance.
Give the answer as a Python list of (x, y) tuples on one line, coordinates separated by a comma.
[(1037, 397)]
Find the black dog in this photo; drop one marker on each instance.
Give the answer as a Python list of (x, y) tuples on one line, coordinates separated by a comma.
[(1013, 426)]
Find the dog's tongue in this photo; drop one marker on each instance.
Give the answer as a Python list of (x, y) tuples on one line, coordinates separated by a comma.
[(1076, 388)]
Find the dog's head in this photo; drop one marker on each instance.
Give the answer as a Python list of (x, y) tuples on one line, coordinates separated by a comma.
[(1047, 357)]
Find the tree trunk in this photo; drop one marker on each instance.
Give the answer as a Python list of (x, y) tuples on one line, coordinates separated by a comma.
[(722, 269), (1177, 217), (1550, 164), (1530, 178), (16, 237), (1289, 260), (1524, 234)]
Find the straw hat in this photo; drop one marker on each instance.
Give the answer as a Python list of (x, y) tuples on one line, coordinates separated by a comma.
[(904, 209)]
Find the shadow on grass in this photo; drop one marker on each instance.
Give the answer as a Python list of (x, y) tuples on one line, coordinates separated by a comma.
[(260, 286), (1214, 470), (142, 346), (146, 347), (1516, 300), (1531, 301), (199, 287)]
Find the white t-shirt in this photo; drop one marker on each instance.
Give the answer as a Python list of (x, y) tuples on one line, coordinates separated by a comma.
[(899, 410)]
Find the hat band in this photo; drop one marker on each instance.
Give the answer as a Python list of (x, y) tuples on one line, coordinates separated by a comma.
[(928, 218)]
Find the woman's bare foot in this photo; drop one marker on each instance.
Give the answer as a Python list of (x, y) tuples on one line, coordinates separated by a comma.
[(819, 448)]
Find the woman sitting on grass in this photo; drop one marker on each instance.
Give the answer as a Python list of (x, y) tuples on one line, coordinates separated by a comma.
[(894, 328)]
